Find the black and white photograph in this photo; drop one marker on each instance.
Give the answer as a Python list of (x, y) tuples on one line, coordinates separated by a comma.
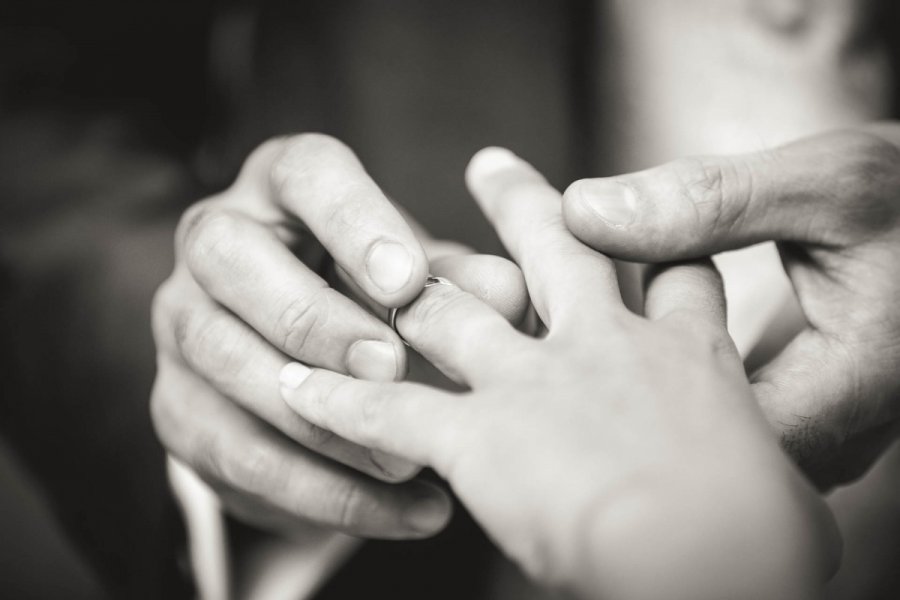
[(450, 300)]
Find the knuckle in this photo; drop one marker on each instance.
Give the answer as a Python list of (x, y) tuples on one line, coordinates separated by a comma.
[(712, 338), (257, 469), (298, 159), (371, 418), (210, 343), (867, 155), (208, 234), (703, 338), (351, 208), (430, 311), (205, 456), (867, 180), (189, 220), (162, 307), (317, 437), (301, 320), (349, 504), (163, 413), (713, 186)]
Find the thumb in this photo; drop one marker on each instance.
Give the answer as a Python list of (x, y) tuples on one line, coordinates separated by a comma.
[(817, 190)]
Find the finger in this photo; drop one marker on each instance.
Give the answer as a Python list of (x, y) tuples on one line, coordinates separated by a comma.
[(497, 282), (463, 337), (693, 289), (231, 449), (239, 364), (246, 268), (320, 181), (828, 189), (407, 419), (492, 279), (562, 274)]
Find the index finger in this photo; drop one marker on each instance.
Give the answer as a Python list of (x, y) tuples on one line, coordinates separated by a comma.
[(561, 272), (319, 180)]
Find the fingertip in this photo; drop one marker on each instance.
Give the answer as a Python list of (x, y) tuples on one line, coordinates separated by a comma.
[(490, 160), (430, 511), (396, 272)]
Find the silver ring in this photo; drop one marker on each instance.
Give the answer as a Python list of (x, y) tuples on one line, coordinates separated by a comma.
[(392, 314)]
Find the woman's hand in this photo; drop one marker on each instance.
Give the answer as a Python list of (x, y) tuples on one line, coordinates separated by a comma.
[(618, 456), (832, 203)]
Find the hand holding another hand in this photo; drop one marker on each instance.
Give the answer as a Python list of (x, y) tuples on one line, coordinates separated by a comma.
[(592, 456), (832, 205), (248, 295)]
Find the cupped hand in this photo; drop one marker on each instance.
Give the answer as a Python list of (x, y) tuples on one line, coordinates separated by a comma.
[(832, 204), (246, 296), (617, 456)]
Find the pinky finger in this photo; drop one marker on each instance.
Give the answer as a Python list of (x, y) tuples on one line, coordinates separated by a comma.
[(406, 419)]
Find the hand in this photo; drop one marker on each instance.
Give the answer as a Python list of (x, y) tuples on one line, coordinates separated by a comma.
[(615, 447), (240, 305), (832, 203)]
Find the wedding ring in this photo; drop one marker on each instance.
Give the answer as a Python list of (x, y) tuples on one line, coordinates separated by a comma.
[(392, 314)]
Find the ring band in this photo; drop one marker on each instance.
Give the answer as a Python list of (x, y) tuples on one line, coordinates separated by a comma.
[(392, 314)]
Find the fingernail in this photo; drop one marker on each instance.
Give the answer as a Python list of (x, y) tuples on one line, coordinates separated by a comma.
[(292, 375), (373, 360), (397, 468), (612, 201), (390, 266), (429, 514)]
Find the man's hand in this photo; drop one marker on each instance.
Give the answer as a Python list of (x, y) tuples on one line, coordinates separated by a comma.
[(240, 305), (614, 447), (832, 203)]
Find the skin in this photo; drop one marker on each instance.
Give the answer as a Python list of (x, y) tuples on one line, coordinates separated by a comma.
[(832, 205), (246, 297), (614, 447)]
